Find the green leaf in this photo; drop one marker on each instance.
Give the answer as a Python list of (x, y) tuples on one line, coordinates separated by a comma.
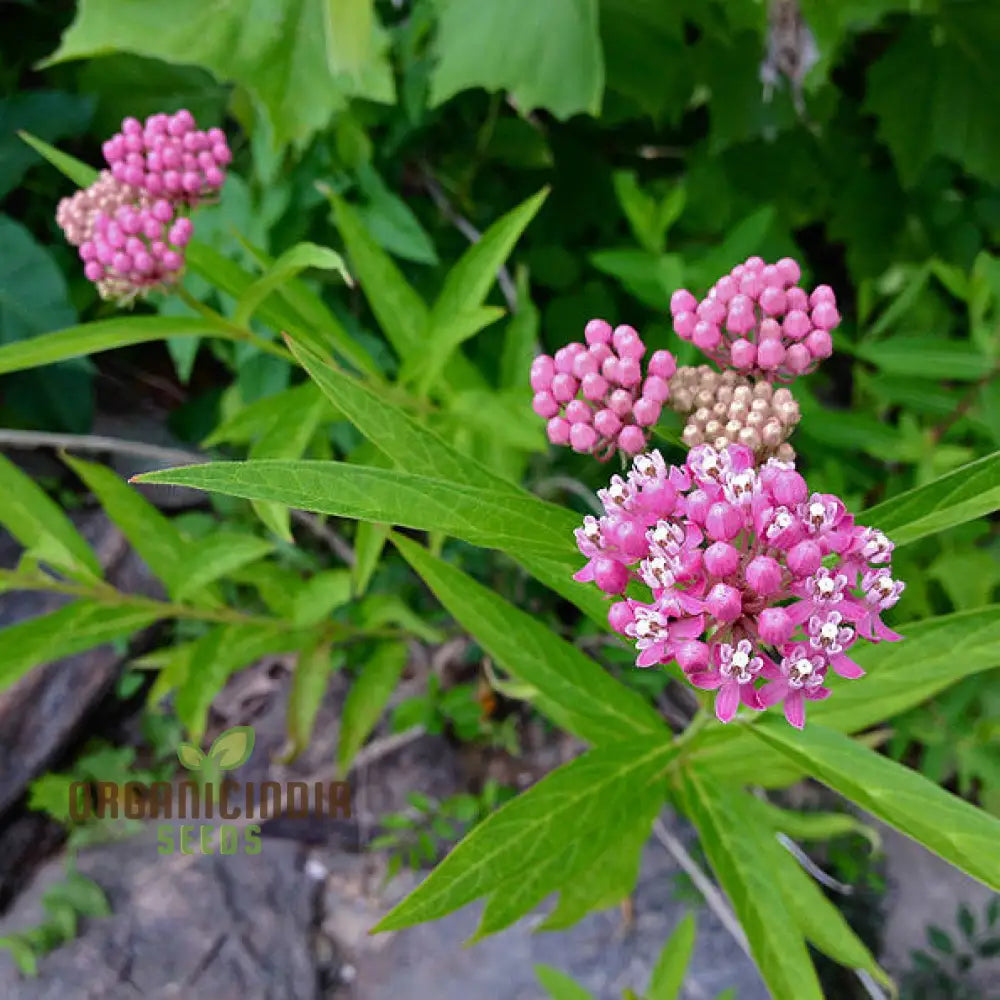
[(935, 654), (558, 985), (368, 697), (963, 495), (312, 673), (717, 810), (257, 418), (39, 524), (920, 357), (369, 542), (547, 55), (391, 221), (190, 756), (942, 65), (412, 446), (956, 831), (72, 629), (671, 967), (292, 262), (294, 56), (102, 335), (590, 703), (521, 853), (23, 954), (816, 825), (153, 536), (233, 747), (214, 657), (83, 894), (214, 557), (506, 522), (444, 336), (82, 174)]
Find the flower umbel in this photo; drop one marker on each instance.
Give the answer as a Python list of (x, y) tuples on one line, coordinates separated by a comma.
[(757, 587)]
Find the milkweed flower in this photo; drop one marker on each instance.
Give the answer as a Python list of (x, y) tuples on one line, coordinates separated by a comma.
[(598, 397), (758, 321), (754, 585)]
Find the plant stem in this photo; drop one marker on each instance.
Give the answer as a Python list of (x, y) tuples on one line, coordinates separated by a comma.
[(230, 330), (701, 719)]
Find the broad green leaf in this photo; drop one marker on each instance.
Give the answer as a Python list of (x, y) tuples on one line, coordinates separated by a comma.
[(77, 627), (368, 697), (606, 883), (214, 557), (400, 311), (963, 495), (292, 262), (718, 813), (412, 446), (593, 705), (153, 536), (934, 654), (39, 524), (312, 673), (101, 335), (671, 967), (819, 920), (82, 174), (233, 747), (291, 55), (507, 522), (472, 276), (963, 835), (218, 654), (558, 985), (941, 65), (444, 334), (547, 55), (522, 849)]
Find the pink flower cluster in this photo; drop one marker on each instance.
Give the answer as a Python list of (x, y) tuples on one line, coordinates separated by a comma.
[(168, 157), (141, 247), (758, 588), (128, 224), (758, 320), (596, 396)]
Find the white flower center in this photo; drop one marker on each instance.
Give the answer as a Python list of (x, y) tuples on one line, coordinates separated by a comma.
[(817, 512), (828, 633), (825, 586)]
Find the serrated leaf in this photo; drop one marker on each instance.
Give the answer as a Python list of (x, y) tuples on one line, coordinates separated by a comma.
[(39, 524), (368, 697), (967, 493), (671, 967), (507, 522), (291, 263), (232, 748), (101, 335), (779, 951), (297, 61), (590, 703), (547, 55), (214, 557), (954, 830), (558, 985), (520, 853), (72, 629), (190, 756)]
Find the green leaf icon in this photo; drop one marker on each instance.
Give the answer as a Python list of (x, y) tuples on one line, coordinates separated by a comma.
[(233, 747), (190, 756)]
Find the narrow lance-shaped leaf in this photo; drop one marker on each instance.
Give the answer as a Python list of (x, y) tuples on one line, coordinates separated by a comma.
[(80, 173), (508, 523), (524, 843), (593, 704), (72, 629), (558, 985), (368, 697), (101, 335), (39, 524), (963, 495), (214, 557), (671, 967), (963, 835), (312, 674), (448, 333), (779, 951)]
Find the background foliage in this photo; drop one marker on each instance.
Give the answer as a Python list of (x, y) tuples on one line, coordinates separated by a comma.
[(396, 133)]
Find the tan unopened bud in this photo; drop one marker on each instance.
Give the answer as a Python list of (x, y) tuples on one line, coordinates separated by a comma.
[(702, 416), (772, 434), (763, 390), (705, 397), (750, 438), (786, 453), (733, 428), (782, 396), (743, 394), (713, 429), (755, 419), (692, 435), (721, 443), (720, 411)]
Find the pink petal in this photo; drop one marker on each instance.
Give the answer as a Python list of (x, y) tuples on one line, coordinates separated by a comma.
[(651, 656), (585, 575), (818, 694), (801, 610), (884, 632), (795, 709), (750, 697), (771, 694), (688, 628), (770, 669), (709, 680), (846, 667), (727, 700)]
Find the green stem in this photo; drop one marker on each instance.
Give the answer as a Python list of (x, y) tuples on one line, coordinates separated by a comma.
[(230, 330), (701, 719)]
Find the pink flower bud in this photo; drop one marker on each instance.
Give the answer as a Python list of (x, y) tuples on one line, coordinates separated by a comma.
[(631, 440), (706, 336), (804, 558), (790, 270), (763, 575), (545, 405), (542, 368), (611, 576), (578, 412), (796, 324), (629, 372), (798, 359), (656, 388), (723, 521), (620, 616), (564, 358), (822, 293), (684, 324), (662, 364), (646, 412), (770, 354), (682, 301), (772, 300), (628, 343), (692, 655), (585, 364), (564, 387), (725, 288), (724, 603), (597, 331), (630, 539), (825, 316), (788, 487), (557, 430), (594, 386), (607, 423), (721, 559), (774, 625), (743, 354), (819, 343), (582, 437), (620, 402)]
